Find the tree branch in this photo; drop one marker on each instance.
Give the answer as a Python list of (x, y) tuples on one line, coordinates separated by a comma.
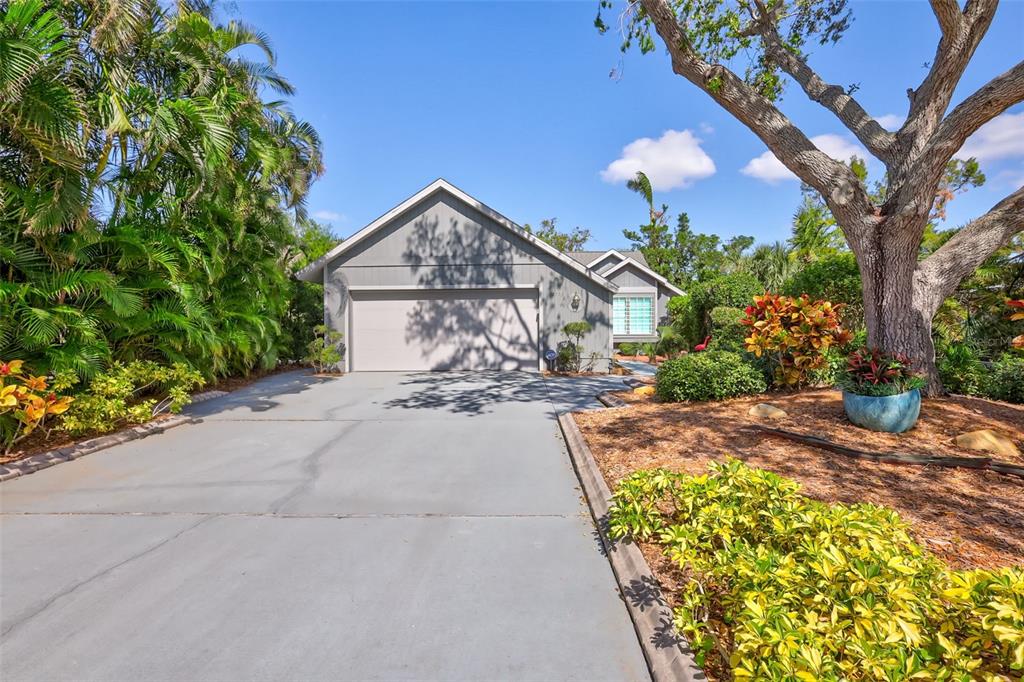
[(917, 189), (990, 100), (879, 141), (948, 14), (834, 180), (971, 246), (961, 34)]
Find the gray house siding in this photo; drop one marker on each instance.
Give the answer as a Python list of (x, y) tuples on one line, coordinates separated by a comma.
[(606, 263), (444, 243)]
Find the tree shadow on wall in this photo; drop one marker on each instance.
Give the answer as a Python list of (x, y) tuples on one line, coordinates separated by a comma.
[(469, 332)]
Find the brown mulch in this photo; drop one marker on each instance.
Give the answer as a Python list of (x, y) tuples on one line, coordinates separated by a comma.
[(233, 383), (969, 518)]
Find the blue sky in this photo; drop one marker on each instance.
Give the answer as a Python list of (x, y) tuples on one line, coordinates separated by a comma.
[(512, 102)]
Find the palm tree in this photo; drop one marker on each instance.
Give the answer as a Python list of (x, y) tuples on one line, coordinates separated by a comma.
[(772, 265), (146, 186)]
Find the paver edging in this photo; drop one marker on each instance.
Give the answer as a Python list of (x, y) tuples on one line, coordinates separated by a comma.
[(669, 657), (609, 399), (44, 460)]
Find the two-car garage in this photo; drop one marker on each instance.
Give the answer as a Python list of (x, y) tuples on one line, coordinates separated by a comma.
[(444, 329), (444, 282)]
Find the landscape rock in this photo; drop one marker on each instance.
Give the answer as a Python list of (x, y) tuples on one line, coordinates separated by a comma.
[(767, 411), (644, 390), (988, 441)]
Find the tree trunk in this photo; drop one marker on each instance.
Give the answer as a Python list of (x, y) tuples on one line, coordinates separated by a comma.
[(898, 304)]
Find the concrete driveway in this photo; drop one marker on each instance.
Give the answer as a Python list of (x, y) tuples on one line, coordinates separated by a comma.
[(376, 526)]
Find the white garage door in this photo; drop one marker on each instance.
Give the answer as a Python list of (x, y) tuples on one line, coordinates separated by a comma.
[(444, 329)]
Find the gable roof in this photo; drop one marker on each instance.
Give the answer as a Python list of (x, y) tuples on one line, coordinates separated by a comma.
[(629, 261), (314, 271), (588, 258)]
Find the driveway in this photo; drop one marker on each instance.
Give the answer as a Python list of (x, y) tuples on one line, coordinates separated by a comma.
[(376, 526)]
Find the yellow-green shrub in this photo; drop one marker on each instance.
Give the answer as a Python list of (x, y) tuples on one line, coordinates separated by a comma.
[(131, 393), (806, 590)]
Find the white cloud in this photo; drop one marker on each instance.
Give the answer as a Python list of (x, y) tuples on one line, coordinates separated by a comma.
[(1000, 138), (328, 215), (706, 128), (890, 121), (673, 160), (768, 168)]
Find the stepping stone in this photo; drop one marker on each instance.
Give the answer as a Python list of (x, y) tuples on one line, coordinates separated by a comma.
[(767, 411), (988, 441)]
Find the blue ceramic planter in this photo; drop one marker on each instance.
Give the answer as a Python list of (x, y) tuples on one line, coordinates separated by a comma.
[(890, 413)]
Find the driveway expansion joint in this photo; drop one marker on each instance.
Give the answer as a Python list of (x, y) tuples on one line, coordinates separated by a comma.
[(284, 515), (50, 601)]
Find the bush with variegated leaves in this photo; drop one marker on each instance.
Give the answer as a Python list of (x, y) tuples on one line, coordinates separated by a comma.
[(794, 333), (1017, 313), (783, 587), (26, 402)]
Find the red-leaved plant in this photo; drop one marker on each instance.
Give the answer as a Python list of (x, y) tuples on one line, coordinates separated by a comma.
[(870, 371), (1017, 313)]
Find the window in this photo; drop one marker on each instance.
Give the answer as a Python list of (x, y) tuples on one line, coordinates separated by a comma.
[(633, 316)]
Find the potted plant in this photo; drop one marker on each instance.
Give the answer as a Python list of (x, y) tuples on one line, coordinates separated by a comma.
[(880, 391)]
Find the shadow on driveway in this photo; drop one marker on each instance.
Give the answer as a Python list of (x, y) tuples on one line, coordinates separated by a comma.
[(260, 395), (476, 393)]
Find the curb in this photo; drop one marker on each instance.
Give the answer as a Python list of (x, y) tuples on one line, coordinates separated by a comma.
[(609, 399), (206, 395), (44, 460), (668, 655)]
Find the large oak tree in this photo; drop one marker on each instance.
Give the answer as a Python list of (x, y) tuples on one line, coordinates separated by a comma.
[(901, 292)]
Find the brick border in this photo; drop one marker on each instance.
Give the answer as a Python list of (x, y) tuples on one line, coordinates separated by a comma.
[(668, 655), (609, 399), (44, 460)]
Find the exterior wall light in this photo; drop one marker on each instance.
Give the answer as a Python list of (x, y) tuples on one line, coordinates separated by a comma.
[(575, 302)]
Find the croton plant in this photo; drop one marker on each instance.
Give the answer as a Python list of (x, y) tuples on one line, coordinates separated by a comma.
[(25, 403), (794, 333), (1017, 313)]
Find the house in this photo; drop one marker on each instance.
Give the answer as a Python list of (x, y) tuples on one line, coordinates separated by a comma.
[(443, 281)]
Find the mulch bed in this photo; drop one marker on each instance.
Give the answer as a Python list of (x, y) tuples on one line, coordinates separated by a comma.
[(969, 518)]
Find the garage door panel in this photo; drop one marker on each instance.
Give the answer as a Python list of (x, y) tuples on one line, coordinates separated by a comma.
[(444, 329)]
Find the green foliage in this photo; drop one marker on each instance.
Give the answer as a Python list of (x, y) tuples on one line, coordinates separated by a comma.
[(727, 330), (815, 233), (151, 177), (628, 348), (681, 256), (711, 375), (306, 299), (563, 241), (772, 265), (870, 371), (691, 314), (670, 341), (129, 393), (833, 277), (720, 31), (325, 351), (960, 368), (1005, 379), (570, 351), (783, 587)]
